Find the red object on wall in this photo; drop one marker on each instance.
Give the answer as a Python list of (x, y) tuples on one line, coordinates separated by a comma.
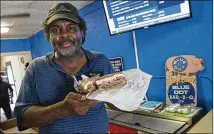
[(113, 128)]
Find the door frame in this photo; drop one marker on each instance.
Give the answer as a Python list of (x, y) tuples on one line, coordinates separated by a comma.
[(17, 53)]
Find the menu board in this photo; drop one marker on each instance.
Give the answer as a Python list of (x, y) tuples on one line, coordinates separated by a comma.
[(123, 16)]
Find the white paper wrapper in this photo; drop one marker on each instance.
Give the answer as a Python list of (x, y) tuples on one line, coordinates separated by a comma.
[(130, 96)]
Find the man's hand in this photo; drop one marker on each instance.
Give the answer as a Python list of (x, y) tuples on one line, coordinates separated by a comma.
[(78, 104), (73, 104)]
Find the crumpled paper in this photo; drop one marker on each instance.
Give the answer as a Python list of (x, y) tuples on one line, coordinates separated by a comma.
[(130, 96)]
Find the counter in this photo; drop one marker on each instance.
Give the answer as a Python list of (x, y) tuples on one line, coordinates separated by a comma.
[(10, 126), (149, 122), (139, 122), (204, 125)]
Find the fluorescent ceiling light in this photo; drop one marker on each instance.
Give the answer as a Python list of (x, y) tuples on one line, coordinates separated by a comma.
[(4, 29), (6, 24)]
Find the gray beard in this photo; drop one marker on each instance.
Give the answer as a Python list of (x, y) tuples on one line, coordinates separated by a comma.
[(71, 52)]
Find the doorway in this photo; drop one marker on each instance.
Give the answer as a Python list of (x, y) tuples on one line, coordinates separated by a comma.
[(11, 80), (13, 70)]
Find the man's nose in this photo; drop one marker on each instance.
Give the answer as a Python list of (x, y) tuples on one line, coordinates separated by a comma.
[(64, 34)]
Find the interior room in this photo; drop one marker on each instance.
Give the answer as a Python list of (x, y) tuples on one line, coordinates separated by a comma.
[(162, 51)]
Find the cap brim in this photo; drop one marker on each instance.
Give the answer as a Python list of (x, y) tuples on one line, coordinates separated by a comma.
[(62, 16)]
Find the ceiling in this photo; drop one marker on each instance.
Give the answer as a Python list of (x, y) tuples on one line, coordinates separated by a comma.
[(24, 27)]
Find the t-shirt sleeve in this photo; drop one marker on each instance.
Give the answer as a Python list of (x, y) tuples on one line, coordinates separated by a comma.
[(27, 97)]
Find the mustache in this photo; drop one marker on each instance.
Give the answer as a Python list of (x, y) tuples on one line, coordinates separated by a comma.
[(66, 40)]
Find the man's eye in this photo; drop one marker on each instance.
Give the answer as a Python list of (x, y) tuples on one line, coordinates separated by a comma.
[(72, 29), (54, 30)]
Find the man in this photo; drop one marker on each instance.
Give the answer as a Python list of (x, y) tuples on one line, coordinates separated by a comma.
[(26, 65), (5, 98), (47, 97)]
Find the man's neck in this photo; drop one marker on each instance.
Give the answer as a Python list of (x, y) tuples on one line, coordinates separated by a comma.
[(70, 63)]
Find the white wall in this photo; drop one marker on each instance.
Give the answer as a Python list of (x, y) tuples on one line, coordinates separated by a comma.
[(22, 65), (26, 54)]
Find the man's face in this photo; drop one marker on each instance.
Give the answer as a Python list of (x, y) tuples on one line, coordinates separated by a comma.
[(65, 37)]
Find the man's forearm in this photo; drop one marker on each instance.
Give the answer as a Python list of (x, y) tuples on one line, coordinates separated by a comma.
[(41, 115)]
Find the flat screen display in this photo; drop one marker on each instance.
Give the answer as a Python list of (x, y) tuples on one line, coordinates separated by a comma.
[(123, 16)]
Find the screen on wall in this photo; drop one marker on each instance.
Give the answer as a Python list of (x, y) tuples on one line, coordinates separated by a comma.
[(123, 16)]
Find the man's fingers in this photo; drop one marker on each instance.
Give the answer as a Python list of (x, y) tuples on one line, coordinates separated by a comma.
[(76, 96), (83, 104), (77, 103), (92, 102), (82, 110)]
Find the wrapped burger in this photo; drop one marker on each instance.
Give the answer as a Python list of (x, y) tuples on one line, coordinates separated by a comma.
[(125, 90)]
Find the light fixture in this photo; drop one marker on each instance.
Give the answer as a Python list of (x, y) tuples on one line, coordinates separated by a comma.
[(4, 29)]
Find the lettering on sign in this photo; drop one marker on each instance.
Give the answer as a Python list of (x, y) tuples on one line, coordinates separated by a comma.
[(181, 89), (117, 63)]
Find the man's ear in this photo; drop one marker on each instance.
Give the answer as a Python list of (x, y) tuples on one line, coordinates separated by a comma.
[(82, 33)]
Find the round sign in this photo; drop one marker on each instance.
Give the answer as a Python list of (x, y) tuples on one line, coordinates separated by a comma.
[(183, 93), (179, 64)]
